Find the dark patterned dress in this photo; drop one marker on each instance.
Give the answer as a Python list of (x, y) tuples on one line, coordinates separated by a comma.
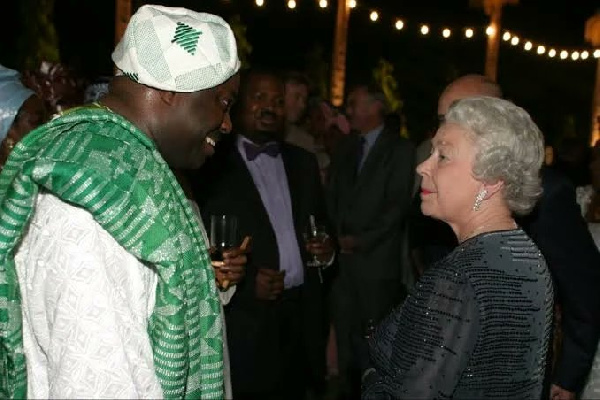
[(476, 326)]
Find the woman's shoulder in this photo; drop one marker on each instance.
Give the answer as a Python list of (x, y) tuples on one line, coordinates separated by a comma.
[(500, 257)]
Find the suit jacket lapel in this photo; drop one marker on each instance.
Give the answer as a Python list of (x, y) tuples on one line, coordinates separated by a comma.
[(247, 187), (351, 161), (374, 157), (293, 179)]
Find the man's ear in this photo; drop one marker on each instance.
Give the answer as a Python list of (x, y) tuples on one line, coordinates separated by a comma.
[(168, 97)]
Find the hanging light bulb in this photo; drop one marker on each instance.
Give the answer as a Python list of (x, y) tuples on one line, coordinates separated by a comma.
[(469, 33), (323, 3), (541, 50), (399, 24), (584, 55), (506, 36), (514, 41), (490, 30), (424, 29), (597, 53), (446, 33), (291, 4), (374, 16), (260, 3), (575, 55), (528, 46), (551, 53), (564, 54), (352, 3)]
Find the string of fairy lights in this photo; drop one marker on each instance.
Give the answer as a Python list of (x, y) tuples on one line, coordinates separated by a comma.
[(508, 37)]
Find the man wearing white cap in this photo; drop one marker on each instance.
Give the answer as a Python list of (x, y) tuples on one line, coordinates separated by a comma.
[(106, 288)]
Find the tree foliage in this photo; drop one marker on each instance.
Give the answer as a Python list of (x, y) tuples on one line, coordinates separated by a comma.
[(244, 47), (383, 74), (317, 70), (39, 41)]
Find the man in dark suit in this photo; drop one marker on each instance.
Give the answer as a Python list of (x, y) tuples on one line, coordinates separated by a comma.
[(275, 319), (368, 193), (561, 233)]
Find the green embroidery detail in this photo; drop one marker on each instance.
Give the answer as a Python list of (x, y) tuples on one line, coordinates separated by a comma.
[(98, 161), (186, 37), (132, 75)]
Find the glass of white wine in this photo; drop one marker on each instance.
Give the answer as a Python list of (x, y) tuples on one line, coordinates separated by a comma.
[(315, 232)]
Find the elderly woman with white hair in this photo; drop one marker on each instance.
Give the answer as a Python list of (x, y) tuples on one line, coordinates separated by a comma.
[(477, 323)]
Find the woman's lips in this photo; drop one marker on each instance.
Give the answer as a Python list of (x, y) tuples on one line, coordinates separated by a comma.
[(425, 192)]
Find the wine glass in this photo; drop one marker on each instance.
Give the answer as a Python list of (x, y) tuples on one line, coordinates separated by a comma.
[(223, 236), (315, 232)]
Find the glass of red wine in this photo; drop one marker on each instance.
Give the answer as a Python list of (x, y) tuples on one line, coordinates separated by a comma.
[(223, 236)]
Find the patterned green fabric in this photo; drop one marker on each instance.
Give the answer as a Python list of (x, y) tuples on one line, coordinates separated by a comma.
[(176, 49), (186, 37), (97, 160)]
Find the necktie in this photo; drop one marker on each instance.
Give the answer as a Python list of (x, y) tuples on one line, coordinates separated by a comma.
[(252, 150), (362, 143)]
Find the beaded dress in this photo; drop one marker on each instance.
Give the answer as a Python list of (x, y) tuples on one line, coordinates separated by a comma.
[(475, 326)]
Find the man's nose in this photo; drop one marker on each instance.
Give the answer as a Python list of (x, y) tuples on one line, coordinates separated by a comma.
[(226, 125)]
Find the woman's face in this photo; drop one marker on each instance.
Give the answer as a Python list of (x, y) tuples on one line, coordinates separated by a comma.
[(448, 188)]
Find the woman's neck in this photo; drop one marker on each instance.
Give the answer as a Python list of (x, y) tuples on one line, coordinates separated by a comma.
[(483, 223)]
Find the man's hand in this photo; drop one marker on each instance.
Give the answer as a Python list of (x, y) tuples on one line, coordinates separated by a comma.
[(558, 393), (347, 244), (269, 283), (323, 250), (233, 269)]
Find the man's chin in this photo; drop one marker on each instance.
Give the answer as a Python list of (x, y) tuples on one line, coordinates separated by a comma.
[(198, 162), (263, 136)]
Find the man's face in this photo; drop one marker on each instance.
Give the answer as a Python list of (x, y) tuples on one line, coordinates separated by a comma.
[(262, 109), (196, 122), (296, 97), (361, 109)]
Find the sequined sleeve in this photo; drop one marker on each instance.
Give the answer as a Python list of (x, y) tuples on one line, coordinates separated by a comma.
[(422, 349)]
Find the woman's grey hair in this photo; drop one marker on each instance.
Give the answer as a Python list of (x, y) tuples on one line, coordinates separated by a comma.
[(510, 147)]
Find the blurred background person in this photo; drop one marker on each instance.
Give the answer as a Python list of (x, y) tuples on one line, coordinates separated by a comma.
[(21, 110), (368, 190)]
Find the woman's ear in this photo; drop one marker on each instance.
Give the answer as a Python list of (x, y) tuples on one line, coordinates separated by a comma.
[(492, 188)]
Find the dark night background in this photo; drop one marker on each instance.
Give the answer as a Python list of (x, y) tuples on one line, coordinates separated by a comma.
[(557, 93)]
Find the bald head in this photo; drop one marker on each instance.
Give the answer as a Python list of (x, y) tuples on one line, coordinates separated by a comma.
[(467, 86)]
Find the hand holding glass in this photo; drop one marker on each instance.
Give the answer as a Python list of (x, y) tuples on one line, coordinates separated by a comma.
[(317, 234), (223, 236)]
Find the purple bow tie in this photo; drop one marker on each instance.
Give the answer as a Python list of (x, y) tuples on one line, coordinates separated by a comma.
[(252, 150)]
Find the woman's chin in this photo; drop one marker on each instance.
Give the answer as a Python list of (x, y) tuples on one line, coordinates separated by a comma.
[(425, 210)]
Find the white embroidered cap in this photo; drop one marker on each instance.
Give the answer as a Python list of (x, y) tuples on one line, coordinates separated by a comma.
[(176, 49)]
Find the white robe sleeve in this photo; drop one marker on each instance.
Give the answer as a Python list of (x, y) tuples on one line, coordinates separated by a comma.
[(86, 303)]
